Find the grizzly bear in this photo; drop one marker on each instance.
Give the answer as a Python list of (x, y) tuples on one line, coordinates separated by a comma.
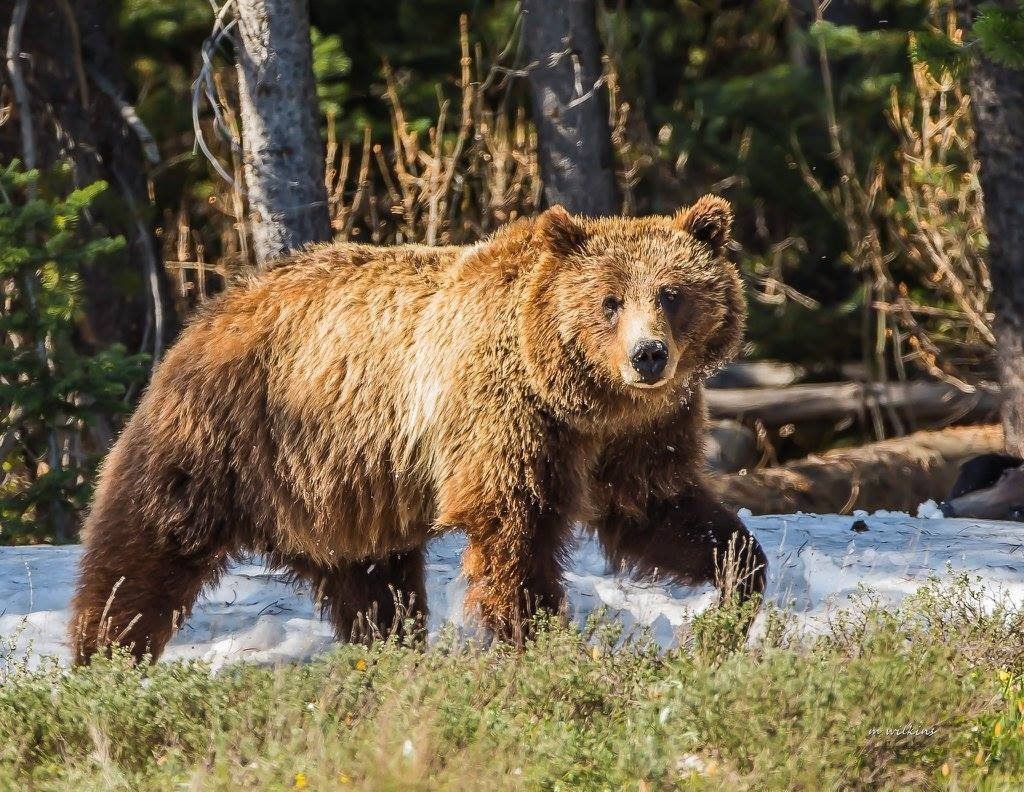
[(341, 408)]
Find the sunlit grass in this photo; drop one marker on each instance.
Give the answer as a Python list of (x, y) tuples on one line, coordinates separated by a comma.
[(927, 695)]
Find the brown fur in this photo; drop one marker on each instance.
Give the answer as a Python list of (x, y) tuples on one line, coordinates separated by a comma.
[(340, 409)]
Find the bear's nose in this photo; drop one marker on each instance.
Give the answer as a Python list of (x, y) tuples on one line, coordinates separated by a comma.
[(649, 359)]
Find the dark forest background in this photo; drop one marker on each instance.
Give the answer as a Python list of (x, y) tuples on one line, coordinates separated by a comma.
[(842, 133)]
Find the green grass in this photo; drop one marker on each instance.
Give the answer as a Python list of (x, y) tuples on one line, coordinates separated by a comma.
[(929, 696)]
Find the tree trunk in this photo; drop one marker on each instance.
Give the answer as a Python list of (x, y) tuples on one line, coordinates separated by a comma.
[(997, 102), (283, 153), (570, 105)]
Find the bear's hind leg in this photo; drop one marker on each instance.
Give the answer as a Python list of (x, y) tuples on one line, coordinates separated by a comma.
[(372, 599), (688, 539)]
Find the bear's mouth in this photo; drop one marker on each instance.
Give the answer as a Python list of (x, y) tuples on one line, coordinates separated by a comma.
[(632, 379)]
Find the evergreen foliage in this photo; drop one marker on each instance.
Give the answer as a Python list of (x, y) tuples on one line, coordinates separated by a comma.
[(1000, 32), (939, 53), (48, 389), (708, 95)]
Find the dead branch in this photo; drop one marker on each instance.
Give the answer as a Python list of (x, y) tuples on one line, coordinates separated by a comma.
[(21, 97), (131, 118), (150, 265)]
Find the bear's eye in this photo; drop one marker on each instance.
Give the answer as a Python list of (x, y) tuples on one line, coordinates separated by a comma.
[(611, 307), (669, 298)]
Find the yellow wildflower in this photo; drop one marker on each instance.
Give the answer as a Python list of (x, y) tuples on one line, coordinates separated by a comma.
[(344, 778), (1004, 675), (300, 781), (361, 664), (998, 730)]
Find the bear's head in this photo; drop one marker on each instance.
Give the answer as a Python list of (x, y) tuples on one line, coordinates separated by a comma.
[(631, 310)]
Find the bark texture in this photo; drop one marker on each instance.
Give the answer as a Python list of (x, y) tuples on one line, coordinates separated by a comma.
[(570, 105), (284, 157), (997, 101)]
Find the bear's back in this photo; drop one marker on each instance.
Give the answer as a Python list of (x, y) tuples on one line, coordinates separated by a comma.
[(338, 262)]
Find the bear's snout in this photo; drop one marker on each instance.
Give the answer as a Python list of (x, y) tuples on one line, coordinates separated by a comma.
[(649, 358)]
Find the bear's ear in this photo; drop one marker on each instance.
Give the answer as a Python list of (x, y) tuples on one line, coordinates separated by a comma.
[(559, 232), (709, 220)]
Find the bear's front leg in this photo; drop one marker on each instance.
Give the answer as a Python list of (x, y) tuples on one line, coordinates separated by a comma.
[(513, 565), (689, 538), (511, 488)]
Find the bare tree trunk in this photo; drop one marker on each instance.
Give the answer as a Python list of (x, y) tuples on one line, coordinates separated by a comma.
[(284, 157), (570, 105), (997, 100)]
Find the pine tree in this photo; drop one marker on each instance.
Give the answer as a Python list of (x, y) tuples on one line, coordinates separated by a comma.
[(50, 392)]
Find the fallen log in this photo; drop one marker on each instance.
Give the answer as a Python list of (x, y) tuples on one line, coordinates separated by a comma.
[(756, 374), (915, 401), (893, 474)]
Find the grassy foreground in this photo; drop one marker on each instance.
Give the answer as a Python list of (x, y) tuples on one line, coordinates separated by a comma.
[(930, 695)]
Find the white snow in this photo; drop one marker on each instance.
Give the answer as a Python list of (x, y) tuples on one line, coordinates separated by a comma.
[(929, 510), (816, 564)]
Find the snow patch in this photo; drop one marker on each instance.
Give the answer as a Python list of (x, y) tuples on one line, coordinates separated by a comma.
[(817, 566), (929, 510)]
